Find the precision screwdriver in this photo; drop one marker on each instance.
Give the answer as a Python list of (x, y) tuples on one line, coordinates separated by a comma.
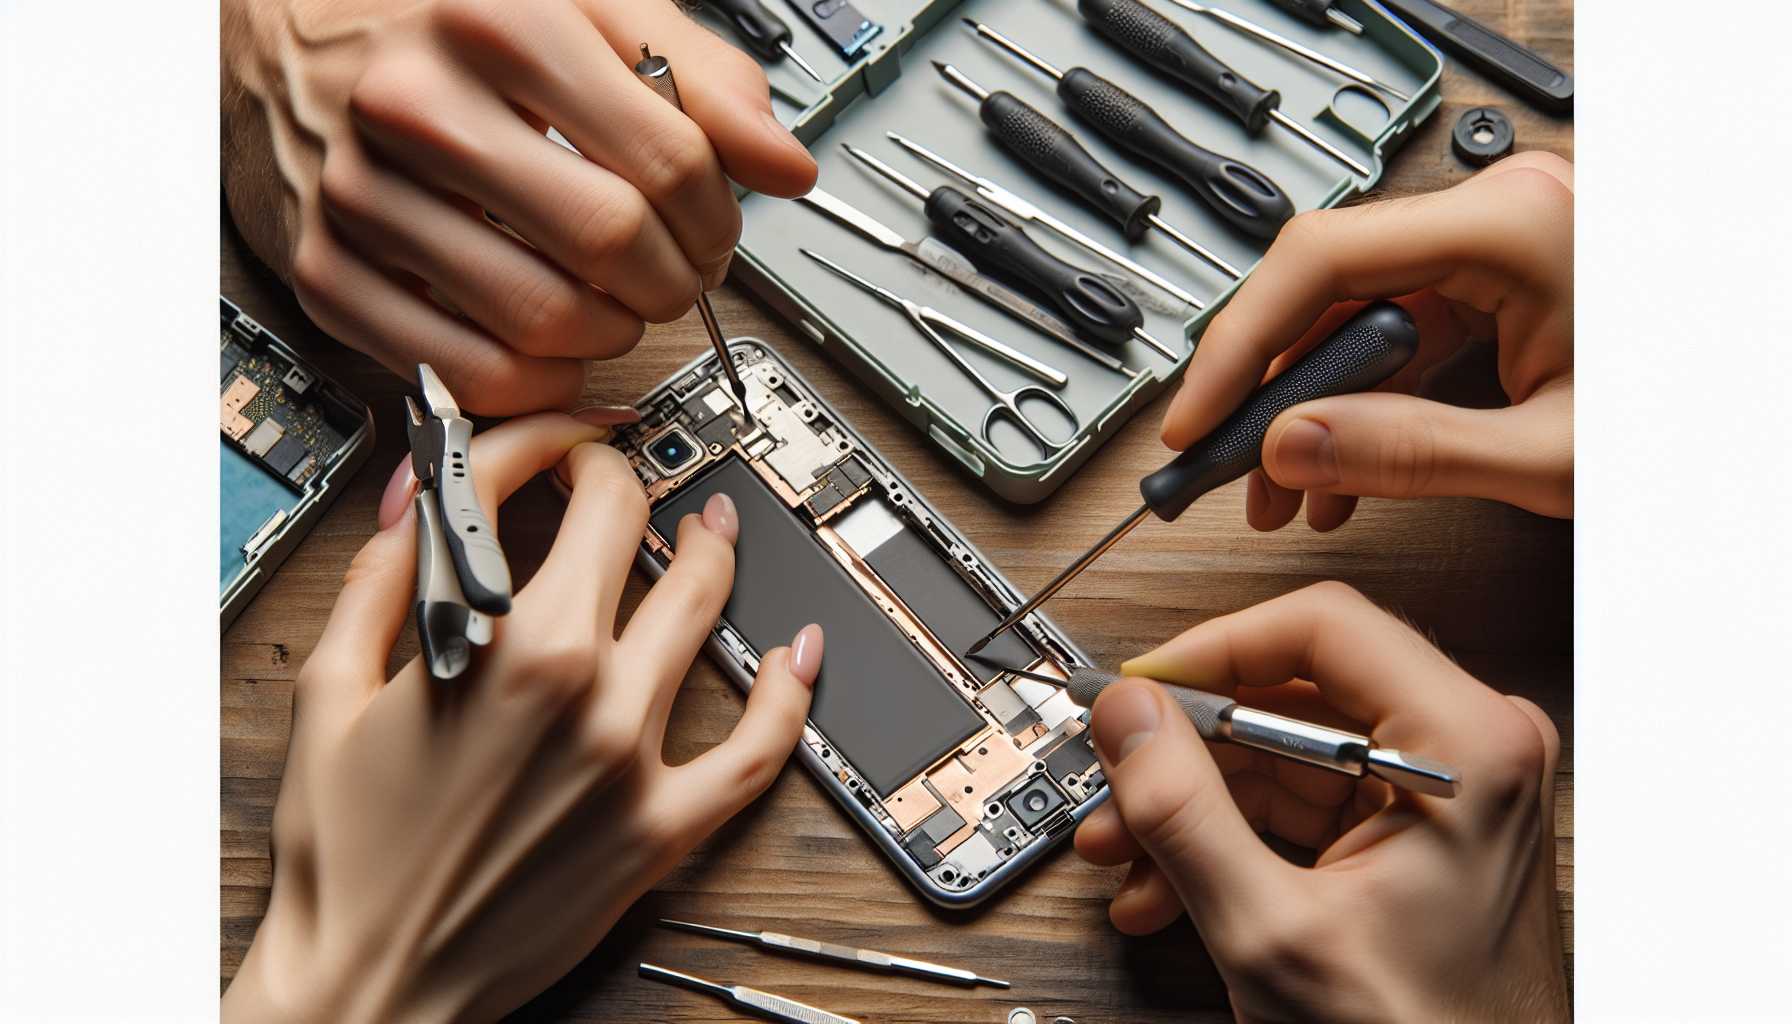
[(1090, 302), (1042, 144), (851, 956), (656, 72), (1238, 192), (1223, 719), (1368, 349), (762, 1004), (943, 260), (763, 32), (1032, 213), (1320, 13), (1163, 44), (1249, 28)]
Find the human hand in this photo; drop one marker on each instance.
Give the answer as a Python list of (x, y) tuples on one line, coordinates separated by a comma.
[(1418, 908), (1491, 258), (363, 139), (446, 850)]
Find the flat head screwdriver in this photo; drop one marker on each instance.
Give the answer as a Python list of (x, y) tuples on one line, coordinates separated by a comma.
[(851, 956), (763, 32), (1368, 349), (1031, 213), (943, 260), (656, 72), (1092, 304), (1250, 28), (1320, 13), (760, 1004), (1245, 197), (1161, 43), (1043, 145)]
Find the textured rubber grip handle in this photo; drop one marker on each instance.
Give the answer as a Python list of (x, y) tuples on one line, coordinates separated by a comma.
[(1203, 709), (1310, 11), (484, 574), (785, 1009), (758, 27), (1241, 194), (1159, 42), (1095, 308), (1371, 347), (1046, 147)]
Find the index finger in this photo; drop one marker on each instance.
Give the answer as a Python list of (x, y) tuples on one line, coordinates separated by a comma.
[(1476, 242), (1366, 663)]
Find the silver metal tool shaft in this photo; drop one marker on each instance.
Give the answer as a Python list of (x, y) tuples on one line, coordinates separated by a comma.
[(1276, 115), (909, 185), (656, 72), (1250, 28), (851, 956), (1026, 210), (1223, 719), (1058, 582), (765, 1004), (797, 59)]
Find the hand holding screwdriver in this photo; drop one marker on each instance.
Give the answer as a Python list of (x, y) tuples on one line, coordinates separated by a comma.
[(1502, 241)]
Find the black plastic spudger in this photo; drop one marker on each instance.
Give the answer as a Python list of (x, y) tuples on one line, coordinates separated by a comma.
[(1095, 308), (1161, 43), (1244, 196), (1368, 349), (1519, 70)]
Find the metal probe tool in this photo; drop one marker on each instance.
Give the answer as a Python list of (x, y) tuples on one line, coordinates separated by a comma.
[(1368, 349), (763, 1004), (1320, 13), (1163, 44), (1044, 145), (656, 72), (1223, 719), (763, 32), (1030, 212), (1251, 28), (1090, 302), (851, 956), (942, 259), (1245, 197)]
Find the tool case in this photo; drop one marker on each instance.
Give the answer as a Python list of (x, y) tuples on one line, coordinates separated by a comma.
[(895, 88)]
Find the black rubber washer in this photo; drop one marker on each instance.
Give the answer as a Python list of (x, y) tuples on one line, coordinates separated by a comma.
[(1481, 136)]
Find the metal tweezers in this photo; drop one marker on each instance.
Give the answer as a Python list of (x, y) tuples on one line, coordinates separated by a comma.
[(463, 579)]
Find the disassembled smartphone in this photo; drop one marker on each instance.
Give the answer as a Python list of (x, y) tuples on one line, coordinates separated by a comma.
[(961, 772), (289, 439)]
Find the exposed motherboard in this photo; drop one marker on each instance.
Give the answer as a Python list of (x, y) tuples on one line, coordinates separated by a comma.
[(960, 765)]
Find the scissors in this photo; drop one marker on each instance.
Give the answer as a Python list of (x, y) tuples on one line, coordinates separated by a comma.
[(463, 579), (1005, 404)]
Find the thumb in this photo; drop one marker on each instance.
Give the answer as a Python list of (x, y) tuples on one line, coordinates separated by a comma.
[(1389, 445), (1175, 803)]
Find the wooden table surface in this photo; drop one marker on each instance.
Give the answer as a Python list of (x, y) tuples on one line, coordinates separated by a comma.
[(1492, 584)]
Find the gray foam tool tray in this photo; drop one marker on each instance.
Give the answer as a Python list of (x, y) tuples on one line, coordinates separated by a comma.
[(896, 88)]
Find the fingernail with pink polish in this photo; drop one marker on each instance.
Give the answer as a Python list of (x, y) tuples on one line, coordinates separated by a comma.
[(397, 496), (805, 654), (720, 518)]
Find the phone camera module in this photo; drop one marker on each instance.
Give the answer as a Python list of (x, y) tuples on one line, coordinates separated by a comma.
[(1035, 802), (672, 449)]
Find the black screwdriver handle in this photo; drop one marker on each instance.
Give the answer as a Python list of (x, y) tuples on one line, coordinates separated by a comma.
[(1371, 347), (1238, 192), (1310, 11), (1094, 307), (1158, 41), (763, 32), (1047, 148)]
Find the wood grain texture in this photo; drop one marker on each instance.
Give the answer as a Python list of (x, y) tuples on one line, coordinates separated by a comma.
[(1491, 584)]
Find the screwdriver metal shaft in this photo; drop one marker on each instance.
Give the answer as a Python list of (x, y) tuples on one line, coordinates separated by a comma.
[(1161, 43), (1366, 350), (1033, 213), (1047, 148), (763, 32), (656, 72), (1251, 28), (852, 956)]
